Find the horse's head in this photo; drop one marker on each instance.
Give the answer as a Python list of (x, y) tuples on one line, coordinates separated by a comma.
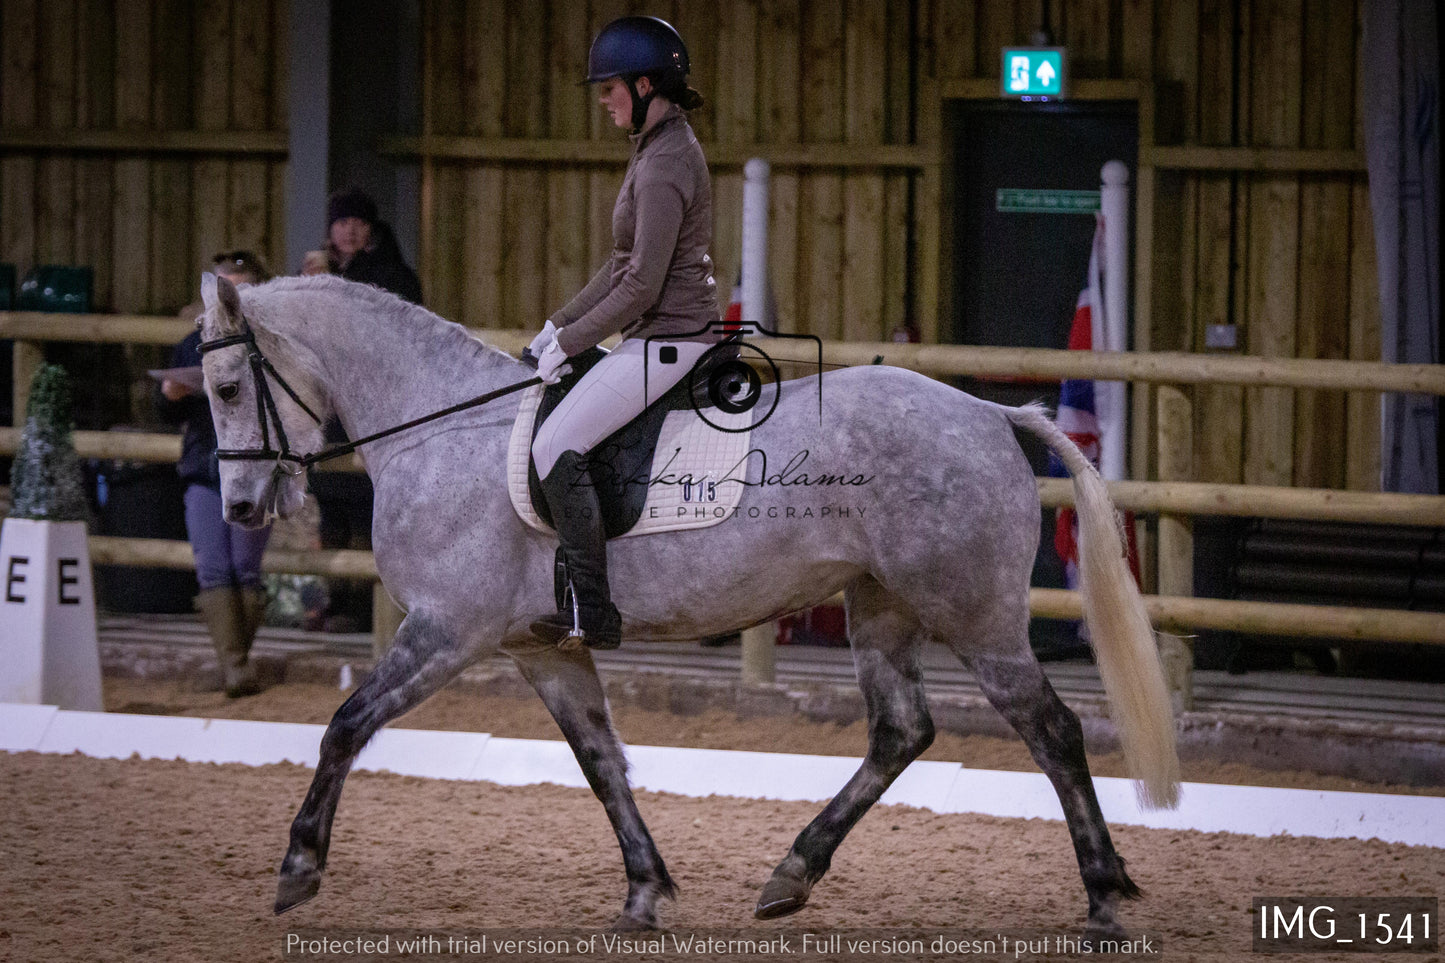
[(262, 408)]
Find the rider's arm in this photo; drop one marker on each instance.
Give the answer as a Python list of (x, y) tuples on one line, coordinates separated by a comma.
[(587, 298), (659, 205)]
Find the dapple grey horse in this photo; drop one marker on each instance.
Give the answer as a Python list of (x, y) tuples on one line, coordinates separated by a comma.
[(912, 498)]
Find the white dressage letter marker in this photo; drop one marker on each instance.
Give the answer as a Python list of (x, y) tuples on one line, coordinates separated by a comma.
[(47, 610)]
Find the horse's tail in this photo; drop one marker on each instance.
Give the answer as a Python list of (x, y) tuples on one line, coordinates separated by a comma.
[(1123, 640)]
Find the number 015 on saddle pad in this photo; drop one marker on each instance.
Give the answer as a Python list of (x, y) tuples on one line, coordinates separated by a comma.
[(659, 473)]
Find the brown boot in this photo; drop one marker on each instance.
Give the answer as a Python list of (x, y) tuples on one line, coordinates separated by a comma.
[(221, 608), (253, 616), (253, 613)]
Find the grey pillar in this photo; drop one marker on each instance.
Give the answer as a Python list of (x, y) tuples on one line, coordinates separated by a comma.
[(309, 99)]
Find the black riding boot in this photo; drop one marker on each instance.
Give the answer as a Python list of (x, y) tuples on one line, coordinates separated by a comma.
[(577, 516)]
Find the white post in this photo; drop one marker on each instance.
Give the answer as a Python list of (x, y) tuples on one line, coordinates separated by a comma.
[(48, 649), (1110, 396), (755, 241), (758, 642)]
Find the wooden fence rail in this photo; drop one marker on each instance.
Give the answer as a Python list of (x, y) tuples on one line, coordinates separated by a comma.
[(1159, 367), (1176, 498), (1168, 612), (1142, 497)]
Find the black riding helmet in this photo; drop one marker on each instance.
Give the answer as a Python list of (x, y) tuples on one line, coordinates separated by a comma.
[(632, 47)]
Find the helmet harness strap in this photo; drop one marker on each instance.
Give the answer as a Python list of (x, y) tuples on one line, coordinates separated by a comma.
[(639, 104)]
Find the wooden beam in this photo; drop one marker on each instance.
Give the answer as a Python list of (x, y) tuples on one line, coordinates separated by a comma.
[(592, 152), (1260, 501), (1167, 612), (144, 447), (28, 140), (1264, 618), (170, 553), (1161, 367), (987, 88), (1278, 159)]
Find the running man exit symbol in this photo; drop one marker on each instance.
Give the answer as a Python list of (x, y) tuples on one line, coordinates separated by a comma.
[(1030, 72)]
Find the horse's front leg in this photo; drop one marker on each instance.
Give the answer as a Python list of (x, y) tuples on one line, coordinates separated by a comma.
[(568, 685), (422, 658)]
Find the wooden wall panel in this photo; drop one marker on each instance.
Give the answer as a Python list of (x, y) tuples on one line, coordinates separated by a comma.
[(780, 113), (1213, 234), (1363, 457), (143, 221), (864, 235), (1273, 237), (852, 251), (1327, 113), (210, 185), (567, 207), (131, 233), (1088, 34), (18, 109), (95, 110), (820, 217), (483, 89), (174, 274), (55, 175)]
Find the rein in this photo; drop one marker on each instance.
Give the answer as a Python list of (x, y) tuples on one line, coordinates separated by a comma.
[(266, 412)]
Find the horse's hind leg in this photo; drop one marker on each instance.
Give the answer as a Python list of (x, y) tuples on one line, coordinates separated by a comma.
[(1018, 689), (421, 660), (569, 687), (885, 637)]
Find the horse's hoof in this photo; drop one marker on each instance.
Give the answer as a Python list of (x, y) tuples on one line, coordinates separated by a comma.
[(631, 924), (1095, 931), (293, 889), (784, 894)]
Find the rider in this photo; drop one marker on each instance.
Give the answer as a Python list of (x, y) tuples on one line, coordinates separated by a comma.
[(657, 283)]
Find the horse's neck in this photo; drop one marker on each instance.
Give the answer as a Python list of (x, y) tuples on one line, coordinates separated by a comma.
[(384, 373)]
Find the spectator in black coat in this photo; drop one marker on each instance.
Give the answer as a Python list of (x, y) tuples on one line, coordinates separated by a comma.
[(359, 247)]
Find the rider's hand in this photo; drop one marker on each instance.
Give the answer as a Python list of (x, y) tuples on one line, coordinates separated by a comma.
[(540, 341), (552, 363)]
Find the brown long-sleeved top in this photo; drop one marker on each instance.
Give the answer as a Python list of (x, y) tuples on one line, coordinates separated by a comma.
[(659, 279)]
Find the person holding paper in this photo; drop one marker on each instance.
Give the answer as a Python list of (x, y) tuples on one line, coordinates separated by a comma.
[(232, 599)]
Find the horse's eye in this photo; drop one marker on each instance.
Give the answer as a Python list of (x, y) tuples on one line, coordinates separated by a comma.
[(227, 391)]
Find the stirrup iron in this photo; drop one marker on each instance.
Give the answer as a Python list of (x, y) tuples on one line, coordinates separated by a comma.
[(575, 639)]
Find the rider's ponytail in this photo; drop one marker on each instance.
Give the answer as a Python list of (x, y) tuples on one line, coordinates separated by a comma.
[(688, 99)]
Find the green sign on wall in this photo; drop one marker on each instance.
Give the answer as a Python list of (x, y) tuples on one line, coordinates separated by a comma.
[(1020, 200), (1030, 72)]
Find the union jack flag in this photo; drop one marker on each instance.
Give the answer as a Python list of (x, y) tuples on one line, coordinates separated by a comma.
[(1077, 418)]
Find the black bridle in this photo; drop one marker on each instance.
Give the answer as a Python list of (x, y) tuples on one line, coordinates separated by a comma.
[(267, 414)]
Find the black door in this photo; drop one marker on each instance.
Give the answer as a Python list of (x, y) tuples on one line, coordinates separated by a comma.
[(1017, 276)]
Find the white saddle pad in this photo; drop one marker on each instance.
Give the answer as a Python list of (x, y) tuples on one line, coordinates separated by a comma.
[(690, 453)]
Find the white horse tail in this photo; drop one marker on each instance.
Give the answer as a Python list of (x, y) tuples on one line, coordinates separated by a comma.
[(1123, 640)]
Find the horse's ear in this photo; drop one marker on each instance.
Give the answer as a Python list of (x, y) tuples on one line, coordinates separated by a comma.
[(222, 304)]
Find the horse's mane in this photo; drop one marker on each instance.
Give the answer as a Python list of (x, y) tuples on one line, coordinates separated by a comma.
[(272, 310), (396, 312)]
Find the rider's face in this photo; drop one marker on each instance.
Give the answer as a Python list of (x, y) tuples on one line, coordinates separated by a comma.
[(612, 94)]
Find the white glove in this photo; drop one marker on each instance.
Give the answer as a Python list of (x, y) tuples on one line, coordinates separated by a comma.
[(540, 341), (552, 363)]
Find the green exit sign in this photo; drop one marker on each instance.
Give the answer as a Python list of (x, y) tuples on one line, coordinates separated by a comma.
[(1033, 72)]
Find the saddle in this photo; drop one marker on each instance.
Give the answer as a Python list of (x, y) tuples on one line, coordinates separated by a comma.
[(621, 465)]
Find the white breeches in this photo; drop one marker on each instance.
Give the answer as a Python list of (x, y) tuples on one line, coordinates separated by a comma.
[(614, 392)]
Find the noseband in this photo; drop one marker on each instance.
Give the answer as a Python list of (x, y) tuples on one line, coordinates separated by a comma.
[(266, 412)]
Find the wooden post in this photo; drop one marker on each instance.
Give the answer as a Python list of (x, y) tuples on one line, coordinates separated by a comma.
[(1176, 535), (26, 361), (385, 620), (759, 663)]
